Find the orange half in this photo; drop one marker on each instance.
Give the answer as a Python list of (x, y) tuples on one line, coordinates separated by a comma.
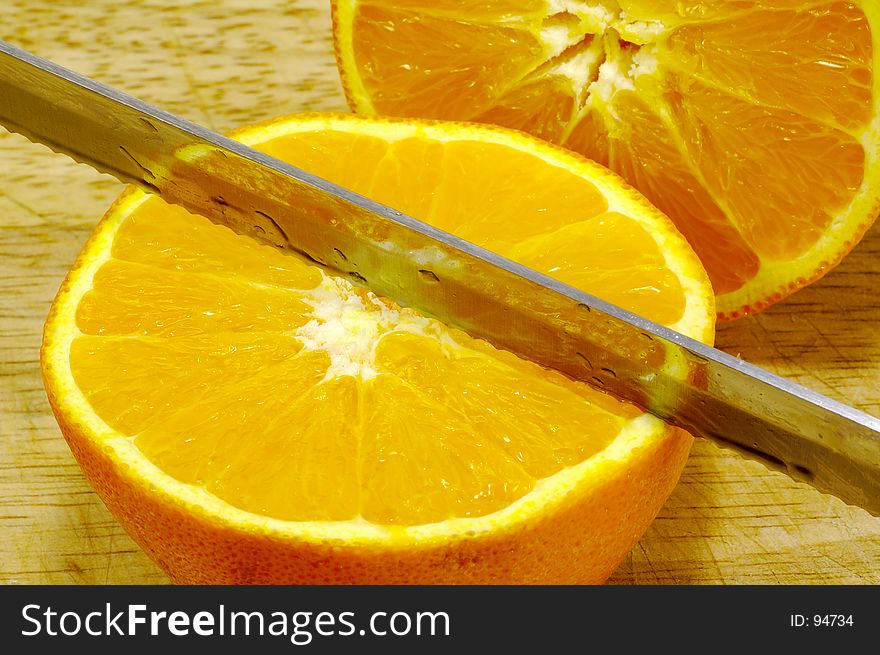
[(250, 418)]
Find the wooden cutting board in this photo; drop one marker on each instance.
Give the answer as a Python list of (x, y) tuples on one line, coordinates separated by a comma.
[(226, 62)]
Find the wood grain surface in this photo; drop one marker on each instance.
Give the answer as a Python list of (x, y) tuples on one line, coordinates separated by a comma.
[(227, 62)]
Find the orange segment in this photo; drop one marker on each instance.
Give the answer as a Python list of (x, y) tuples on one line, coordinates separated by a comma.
[(110, 370), (129, 299), (673, 12), (632, 275), (648, 156), (194, 247), (780, 203), (542, 107), (497, 431), (590, 137), (753, 124), (491, 188), (217, 391), (468, 188), (233, 442), (488, 11), (819, 65), (424, 81)]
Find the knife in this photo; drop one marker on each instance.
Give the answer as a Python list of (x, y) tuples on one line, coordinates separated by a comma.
[(709, 393)]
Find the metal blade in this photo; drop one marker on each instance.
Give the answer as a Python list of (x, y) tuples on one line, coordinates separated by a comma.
[(701, 389)]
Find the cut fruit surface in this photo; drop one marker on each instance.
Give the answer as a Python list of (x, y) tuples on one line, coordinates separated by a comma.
[(219, 392), (753, 124)]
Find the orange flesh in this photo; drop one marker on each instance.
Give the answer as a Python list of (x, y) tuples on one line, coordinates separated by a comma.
[(241, 408), (425, 81), (293, 395), (751, 150)]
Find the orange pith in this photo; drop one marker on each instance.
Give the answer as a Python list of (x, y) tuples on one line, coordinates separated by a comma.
[(753, 124), (205, 379)]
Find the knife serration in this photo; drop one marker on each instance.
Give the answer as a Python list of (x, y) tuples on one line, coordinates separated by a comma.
[(711, 394)]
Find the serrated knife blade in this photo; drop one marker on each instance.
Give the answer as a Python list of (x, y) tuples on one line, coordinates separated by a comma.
[(834, 447)]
